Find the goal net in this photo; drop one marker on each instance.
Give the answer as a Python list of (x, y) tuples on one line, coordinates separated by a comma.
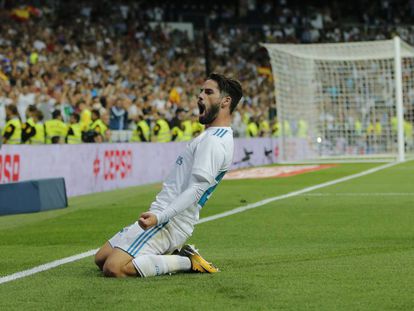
[(348, 100)]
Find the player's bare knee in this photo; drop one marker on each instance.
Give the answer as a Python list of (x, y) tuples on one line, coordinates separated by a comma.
[(99, 262), (102, 254), (100, 258), (112, 269)]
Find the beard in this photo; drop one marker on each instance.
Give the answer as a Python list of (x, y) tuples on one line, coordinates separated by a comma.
[(207, 116)]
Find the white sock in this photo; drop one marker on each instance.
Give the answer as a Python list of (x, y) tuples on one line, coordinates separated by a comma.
[(152, 265)]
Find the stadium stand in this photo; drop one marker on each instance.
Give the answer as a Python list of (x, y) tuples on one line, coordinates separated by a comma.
[(120, 60)]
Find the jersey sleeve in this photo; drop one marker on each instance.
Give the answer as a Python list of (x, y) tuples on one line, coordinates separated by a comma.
[(208, 159), (190, 196)]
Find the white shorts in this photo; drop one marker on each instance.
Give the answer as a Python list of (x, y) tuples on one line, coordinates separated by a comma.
[(159, 240)]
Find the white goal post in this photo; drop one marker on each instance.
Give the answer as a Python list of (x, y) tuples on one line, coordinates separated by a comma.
[(347, 100)]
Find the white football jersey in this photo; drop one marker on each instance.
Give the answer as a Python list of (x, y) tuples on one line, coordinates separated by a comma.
[(209, 155)]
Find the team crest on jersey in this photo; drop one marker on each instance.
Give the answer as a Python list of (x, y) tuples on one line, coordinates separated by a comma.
[(180, 160)]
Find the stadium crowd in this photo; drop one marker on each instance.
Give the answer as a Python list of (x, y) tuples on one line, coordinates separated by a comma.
[(108, 68)]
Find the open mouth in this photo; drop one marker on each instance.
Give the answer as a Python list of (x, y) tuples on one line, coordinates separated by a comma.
[(201, 107)]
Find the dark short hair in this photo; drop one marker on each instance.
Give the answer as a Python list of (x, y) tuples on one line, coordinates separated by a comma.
[(39, 115), (76, 116), (96, 113), (229, 87), (56, 113), (13, 109), (31, 108)]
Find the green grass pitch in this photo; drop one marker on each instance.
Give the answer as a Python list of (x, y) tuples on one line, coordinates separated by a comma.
[(349, 246)]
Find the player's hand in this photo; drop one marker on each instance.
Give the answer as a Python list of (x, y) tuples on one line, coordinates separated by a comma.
[(147, 220)]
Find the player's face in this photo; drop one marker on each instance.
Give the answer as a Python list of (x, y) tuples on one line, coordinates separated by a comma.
[(208, 102)]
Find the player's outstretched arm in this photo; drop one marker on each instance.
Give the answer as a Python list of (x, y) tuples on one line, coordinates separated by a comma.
[(197, 187), (187, 198)]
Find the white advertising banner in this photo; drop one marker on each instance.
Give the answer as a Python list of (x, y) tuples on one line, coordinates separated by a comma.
[(89, 168)]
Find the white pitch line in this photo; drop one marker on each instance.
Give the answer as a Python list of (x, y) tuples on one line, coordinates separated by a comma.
[(360, 194), (46, 266), (296, 193), (56, 263)]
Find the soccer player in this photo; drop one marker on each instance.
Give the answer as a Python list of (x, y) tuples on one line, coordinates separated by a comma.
[(153, 245)]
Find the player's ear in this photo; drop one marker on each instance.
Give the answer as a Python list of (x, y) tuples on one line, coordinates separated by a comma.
[(226, 102)]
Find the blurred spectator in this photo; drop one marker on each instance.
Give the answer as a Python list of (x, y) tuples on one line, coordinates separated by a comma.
[(109, 57), (118, 119)]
